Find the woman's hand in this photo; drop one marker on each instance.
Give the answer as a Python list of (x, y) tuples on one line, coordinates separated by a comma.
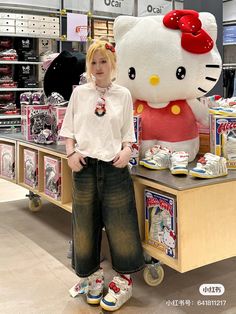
[(76, 162), (122, 158)]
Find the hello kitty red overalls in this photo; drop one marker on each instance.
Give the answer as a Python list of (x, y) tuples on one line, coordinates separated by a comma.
[(173, 123)]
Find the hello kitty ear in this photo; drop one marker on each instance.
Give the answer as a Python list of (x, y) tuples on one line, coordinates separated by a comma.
[(209, 24), (122, 25)]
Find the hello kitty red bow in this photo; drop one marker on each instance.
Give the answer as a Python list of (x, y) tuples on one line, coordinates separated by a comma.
[(194, 39)]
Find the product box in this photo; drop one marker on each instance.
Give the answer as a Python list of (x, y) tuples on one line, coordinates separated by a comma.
[(136, 146), (7, 161), (52, 177), (223, 138), (160, 221), (58, 114), (34, 119), (31, 167), (137, 128)]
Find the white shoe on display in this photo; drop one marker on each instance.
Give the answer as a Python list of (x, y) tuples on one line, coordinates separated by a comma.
[(210, 166), (149, 154), (179, 162), (158, 160)]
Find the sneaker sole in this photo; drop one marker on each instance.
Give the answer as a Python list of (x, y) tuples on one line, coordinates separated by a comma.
[(179, 171), (94, 301), (204, 176), (152, 167), (112, 309)]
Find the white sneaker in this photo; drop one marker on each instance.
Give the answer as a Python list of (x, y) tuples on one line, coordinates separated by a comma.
[(149, 154), (158, 161), (210, 166), (81, 287), (95, 287), (179, 162), (120, 291)]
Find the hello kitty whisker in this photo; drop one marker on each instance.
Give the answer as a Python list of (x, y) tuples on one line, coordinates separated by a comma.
[(202, 90), (210, 78), (212, 66)]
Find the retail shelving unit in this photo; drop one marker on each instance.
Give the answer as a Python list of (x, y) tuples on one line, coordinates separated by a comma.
[(42, 150), (206, 224)]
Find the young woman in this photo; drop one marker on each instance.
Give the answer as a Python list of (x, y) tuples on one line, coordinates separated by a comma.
[(99, 130)]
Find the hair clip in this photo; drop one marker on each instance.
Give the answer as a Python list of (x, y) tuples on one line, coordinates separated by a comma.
[(109, 47)]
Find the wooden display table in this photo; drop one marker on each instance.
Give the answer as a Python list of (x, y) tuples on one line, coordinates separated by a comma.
[(206, 216), (43, 150), (206, 209)]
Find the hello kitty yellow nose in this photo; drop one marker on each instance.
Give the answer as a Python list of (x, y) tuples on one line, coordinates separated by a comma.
[(154, 80)]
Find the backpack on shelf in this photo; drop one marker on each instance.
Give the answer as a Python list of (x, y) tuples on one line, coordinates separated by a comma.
[(63, 73)]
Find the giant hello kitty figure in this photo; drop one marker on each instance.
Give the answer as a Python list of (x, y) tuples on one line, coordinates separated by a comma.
[(167, 62)]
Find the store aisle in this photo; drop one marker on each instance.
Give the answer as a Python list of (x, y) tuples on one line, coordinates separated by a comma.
[(35, 273), (11, 192)]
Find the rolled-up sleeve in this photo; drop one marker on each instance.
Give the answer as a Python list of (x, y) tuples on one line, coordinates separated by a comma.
[(67, 129)]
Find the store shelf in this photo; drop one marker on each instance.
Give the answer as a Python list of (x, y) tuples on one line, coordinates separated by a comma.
[(20, 89), (229, 44), (11, 116), (21, 62), (29, 35)]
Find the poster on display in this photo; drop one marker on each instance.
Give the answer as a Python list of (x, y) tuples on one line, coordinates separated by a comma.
[(77, 27), (82, 5), (153, 7), (53, 4), (114, 6)]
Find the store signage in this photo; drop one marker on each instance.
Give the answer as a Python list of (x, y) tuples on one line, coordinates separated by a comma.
[(153, 7), (82, 5), (77, 27), (114, 6)]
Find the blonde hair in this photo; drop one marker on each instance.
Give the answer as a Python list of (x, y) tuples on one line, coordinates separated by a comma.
[(101, 46)]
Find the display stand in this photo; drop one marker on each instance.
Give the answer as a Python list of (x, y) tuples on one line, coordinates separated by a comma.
[(206, 224)]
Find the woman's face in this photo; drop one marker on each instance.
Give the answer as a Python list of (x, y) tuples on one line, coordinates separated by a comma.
[(101, 68)]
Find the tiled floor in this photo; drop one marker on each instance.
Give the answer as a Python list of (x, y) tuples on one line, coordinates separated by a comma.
[(35, 273)]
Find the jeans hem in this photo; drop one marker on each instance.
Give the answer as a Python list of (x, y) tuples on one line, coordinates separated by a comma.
[(125, 272), (89, 273)]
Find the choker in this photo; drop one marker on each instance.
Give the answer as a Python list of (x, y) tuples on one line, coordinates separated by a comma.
[(100, 107)]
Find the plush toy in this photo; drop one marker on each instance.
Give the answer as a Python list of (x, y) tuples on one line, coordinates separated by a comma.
[(167, 62)]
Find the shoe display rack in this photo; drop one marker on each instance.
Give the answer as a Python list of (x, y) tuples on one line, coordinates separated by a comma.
[(205, 219), (24, 41), (204, 214)]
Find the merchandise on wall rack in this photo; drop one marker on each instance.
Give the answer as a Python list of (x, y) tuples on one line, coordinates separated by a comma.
[(103, 28), (29, 24)]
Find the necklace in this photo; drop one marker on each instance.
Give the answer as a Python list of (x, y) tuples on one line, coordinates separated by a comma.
[(100, 107)]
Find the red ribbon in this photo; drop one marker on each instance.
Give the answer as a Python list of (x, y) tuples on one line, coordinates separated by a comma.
[(172, 235), (109, 47), (113, 286), (194, 39)]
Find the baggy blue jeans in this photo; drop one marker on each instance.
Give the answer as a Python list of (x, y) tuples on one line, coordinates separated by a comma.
[(103, 196)]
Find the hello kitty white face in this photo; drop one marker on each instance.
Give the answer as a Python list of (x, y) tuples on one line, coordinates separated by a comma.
[(153, 65), (169, 238)]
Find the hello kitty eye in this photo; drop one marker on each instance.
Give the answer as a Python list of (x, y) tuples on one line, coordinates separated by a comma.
[(180, 73), (132, 73)]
